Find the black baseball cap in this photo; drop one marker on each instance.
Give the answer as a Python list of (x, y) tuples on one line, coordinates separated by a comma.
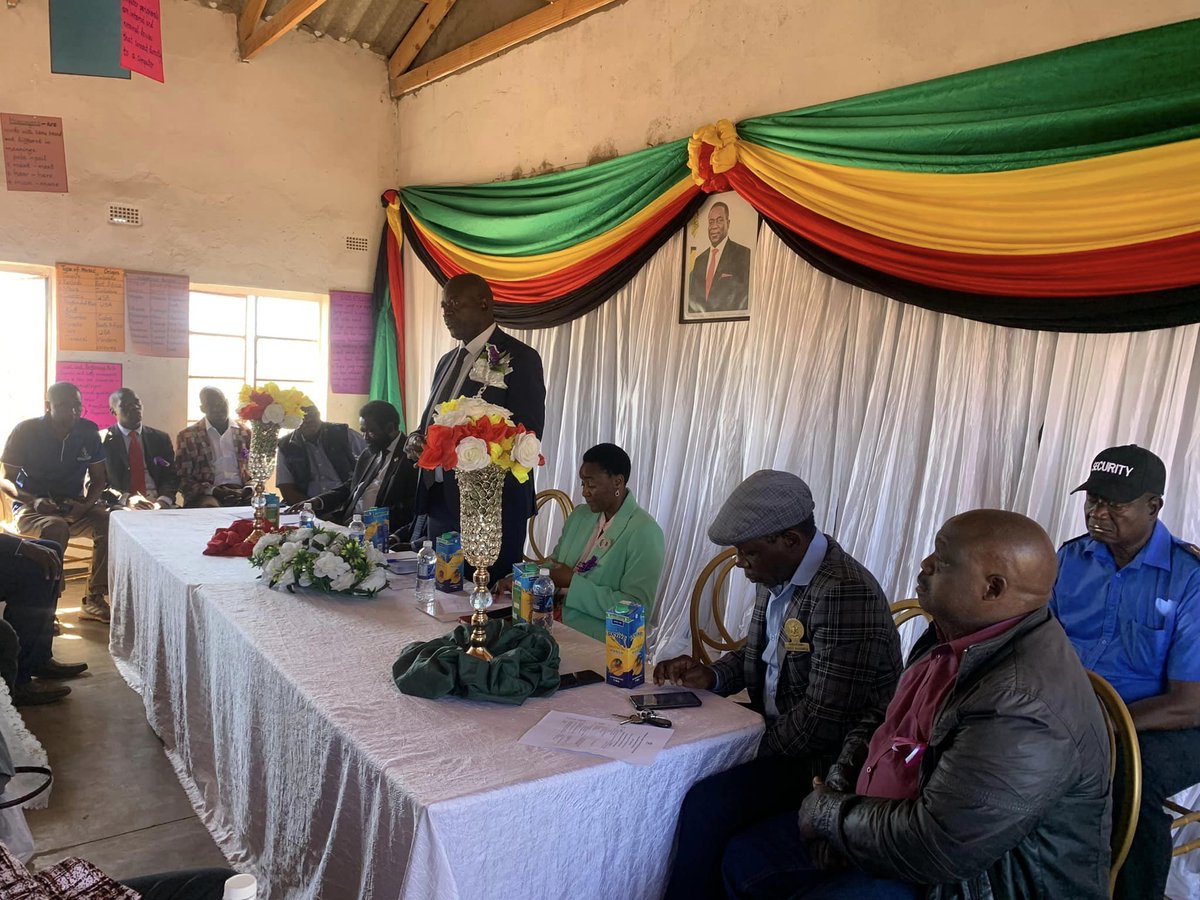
[(1121, 474)]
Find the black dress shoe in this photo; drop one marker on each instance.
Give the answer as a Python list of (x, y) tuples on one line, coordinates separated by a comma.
[(34, 693), (52, 668)]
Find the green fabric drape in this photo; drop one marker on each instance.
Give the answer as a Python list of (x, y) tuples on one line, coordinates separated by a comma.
[(549, 212), (1124, 93), (385, 375)]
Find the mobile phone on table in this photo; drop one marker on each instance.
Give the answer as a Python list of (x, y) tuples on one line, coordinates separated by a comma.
[(578, 679), (665, 700)]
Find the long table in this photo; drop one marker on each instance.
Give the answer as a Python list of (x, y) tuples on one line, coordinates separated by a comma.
[(312, 770)]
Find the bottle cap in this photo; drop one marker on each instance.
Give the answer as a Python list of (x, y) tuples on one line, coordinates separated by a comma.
[(240, 887), (428, 545), (357, 518), (543, 571)]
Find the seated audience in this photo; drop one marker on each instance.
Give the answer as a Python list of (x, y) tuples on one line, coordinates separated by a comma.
[(610, 550), (140, 460), (211, 456), (30, 582), (383, 475), (316, 457), (822, 653), (47, 460), (1128, 595), (988, 775)]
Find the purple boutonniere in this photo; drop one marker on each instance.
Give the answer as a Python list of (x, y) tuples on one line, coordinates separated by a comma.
[(493, 353), (587, 565), (244, 453), (162, 463)]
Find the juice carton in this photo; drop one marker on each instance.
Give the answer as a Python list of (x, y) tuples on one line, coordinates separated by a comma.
[(448, 575), (522, 591), (271, 511), (625, 640), (376, 520)]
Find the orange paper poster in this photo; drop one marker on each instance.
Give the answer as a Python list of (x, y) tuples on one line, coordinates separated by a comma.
[(34, 156), (91, 308)]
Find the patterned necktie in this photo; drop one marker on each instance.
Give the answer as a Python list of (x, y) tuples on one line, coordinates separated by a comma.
[(712, 270), (137, 465)]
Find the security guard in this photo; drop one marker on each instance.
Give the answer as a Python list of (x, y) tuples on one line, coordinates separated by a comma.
[(1128, 596)]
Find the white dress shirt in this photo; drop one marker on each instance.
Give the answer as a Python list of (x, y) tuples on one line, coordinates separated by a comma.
[(323, 476), (371, 494), (224, 450)]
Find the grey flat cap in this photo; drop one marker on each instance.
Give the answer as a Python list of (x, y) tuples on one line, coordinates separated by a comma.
[(765, 503)]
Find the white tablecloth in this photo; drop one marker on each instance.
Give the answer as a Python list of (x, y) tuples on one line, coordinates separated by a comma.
[(309, 767)]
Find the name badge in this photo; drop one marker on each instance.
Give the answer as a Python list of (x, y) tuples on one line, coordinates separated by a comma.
[(793, 637)]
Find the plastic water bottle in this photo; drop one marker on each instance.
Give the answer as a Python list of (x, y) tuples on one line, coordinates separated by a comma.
[(426, 564), (358, 531), (240, 887), (542, 613), (307, 517)]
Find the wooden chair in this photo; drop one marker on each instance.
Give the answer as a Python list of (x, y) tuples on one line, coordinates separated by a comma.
[(904, 610), (718, 569), (565, 506), (1122, 738)]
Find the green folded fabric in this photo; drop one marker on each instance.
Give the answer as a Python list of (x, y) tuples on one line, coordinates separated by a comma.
[(524, 664)]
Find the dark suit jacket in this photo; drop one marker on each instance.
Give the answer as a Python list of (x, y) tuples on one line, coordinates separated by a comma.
[(396, 492), (156, 445), (731, 282), (525, 396)]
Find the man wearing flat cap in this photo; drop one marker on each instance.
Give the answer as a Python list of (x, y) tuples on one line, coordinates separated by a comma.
[(1128, 596), (821, 653)]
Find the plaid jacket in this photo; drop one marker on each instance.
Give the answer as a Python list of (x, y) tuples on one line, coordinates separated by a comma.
[(852, 664), (194, 458)]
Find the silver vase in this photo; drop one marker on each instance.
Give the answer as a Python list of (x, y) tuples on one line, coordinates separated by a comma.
[(480, 500)]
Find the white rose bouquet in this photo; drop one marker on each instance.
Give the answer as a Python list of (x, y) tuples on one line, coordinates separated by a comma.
[(320, 558)]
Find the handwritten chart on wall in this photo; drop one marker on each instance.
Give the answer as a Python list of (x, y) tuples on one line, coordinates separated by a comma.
[(35, 158), (351, 341), (141, 38), (95, 382), (156, 307), (91, 308)]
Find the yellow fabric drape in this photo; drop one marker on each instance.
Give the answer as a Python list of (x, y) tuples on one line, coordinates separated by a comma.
[(1108, 201)]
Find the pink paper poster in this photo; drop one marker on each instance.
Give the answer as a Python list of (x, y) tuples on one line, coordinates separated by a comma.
[(141, 38), (156, 310), (351, 341), (95, 382)]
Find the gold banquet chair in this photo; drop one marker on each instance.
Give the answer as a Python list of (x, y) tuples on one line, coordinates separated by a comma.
[(905, 610), (565, 506), (1122, 738), (717, 569), (1183, 817)]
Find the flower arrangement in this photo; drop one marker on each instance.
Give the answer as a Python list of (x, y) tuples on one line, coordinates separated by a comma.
[(468, 434), (321, 558), (272, 405)]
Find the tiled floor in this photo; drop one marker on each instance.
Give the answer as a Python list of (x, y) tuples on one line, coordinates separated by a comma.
[(116, 800)]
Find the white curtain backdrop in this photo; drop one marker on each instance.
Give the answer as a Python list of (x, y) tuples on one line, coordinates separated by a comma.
[(897, 417)]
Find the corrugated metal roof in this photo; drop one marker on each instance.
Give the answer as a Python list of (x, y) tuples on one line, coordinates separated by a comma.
[(379, 25)]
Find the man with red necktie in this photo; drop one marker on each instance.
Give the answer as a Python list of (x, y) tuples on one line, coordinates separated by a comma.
[(140, 460)]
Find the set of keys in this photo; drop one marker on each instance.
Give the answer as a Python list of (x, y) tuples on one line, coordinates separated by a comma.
[(644, 717)]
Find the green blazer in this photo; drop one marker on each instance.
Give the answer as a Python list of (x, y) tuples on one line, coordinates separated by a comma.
[(627, 568)]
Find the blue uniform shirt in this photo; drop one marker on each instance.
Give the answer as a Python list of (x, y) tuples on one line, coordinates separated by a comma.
[(1138, 626), (51, 466)]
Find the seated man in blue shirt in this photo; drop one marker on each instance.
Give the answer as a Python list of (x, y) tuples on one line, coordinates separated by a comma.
[(47, 459), (316, 457), (1128, 595)]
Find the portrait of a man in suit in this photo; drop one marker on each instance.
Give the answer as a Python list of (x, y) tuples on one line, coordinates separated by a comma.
[(719, 281)]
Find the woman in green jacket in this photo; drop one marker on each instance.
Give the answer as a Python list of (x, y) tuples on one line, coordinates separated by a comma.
[(610, 550)]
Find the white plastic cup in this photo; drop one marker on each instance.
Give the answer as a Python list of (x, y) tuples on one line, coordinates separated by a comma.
[(240, 887)]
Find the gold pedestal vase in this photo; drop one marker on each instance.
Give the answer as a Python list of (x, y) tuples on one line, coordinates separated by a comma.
[(480, 493)]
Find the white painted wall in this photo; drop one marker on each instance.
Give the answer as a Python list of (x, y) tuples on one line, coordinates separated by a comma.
[(647, 71), (247, 174)]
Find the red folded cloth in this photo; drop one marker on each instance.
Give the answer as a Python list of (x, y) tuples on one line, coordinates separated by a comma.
[(232, 541)]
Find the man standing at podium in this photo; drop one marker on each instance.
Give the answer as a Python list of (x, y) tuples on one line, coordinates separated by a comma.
[(467, 370)]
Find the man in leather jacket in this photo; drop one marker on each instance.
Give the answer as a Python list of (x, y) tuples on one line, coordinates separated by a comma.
[(988, 776)]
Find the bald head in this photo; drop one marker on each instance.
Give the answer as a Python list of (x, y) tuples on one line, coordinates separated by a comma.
[(214, 405), (988, 565), (467, 306)]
